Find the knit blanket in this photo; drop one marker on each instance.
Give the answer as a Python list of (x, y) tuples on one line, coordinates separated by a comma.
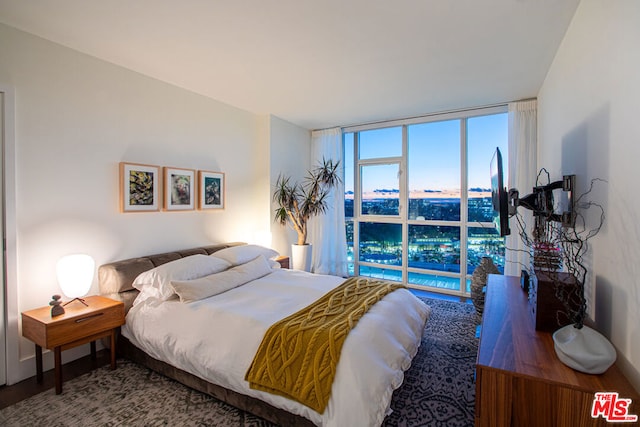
[(298, 355)]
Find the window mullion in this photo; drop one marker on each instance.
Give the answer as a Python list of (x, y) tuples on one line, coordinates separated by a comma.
[(356, 204), (464, 203), (404, 204)]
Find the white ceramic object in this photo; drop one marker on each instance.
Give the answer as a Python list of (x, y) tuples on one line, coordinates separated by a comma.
[(301, 257), (585, 350)]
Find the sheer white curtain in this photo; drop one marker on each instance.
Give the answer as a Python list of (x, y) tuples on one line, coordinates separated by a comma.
[(327, 232), (523, 152)]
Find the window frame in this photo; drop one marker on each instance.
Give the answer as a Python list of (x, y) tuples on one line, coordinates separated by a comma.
[(402, 218)]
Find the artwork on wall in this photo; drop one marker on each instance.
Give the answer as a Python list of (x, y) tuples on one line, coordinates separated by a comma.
[(139, 187), (210, 190), (179, 187)]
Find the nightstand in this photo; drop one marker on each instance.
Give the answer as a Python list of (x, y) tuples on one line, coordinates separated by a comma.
[(283, 260), (79, 324)]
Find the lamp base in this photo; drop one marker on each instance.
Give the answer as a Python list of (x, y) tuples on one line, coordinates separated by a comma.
[(78, 299)]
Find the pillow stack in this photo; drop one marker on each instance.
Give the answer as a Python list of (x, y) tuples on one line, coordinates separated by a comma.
[(237, 255), (214, 284), (200, 276)]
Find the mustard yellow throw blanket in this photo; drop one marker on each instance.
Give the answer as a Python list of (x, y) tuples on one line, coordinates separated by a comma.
[(298, 355)]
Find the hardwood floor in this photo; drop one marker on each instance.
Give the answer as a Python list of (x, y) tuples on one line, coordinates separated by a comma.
[(29, 387)]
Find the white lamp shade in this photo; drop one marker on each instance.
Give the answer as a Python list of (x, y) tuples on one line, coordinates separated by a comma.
[(75, 274)]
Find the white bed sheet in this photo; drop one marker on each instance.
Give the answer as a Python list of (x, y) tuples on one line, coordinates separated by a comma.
[(217, 338)]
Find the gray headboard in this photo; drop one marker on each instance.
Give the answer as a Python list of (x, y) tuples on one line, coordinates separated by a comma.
[(115, 279)]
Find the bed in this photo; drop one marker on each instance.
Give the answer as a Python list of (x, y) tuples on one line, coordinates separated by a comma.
[(209, 342)]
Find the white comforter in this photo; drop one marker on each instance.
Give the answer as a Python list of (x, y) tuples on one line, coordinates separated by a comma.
[(217, 338)]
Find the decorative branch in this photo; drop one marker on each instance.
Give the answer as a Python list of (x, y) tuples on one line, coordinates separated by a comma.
[(556, 248)]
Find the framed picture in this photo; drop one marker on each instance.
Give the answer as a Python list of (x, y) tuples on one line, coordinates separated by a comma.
[(139, 187), (179, 189), (210, 190)]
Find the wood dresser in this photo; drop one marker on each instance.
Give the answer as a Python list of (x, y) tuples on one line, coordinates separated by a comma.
[(519, 379)]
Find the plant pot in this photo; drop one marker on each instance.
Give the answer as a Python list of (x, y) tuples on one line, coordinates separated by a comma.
[(301, 257)]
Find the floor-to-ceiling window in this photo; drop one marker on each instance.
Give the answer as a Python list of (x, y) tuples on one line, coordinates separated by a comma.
[(418, 198)]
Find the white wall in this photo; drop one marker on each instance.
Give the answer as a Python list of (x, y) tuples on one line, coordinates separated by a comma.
[(76, 118), (589, 125), (290, 156)]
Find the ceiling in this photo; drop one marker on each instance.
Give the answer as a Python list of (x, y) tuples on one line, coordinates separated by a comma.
[(319, 63)]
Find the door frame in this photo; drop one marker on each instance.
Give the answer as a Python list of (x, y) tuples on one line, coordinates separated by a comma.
[(9, 345)]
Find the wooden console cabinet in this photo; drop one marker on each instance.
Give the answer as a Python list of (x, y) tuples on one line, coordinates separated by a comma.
[(519, 379)]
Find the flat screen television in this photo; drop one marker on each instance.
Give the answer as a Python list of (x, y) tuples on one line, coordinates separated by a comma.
[(499, 195)]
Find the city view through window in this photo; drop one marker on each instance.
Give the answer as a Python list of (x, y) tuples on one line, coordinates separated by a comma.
[(418, 200)]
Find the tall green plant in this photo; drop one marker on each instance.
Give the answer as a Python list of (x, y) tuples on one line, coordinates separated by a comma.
[(298, 202)]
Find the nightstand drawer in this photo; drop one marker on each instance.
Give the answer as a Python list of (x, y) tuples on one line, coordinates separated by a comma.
[(84, 325)]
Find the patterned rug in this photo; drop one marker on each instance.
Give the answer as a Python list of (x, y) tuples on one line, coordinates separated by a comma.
[(438, 389)]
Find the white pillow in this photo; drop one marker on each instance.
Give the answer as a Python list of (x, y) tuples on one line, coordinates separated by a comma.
[(157, 281), (214, 284), (242, 254), (274, 264)]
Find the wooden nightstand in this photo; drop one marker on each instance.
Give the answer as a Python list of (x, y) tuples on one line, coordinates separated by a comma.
[(79, 324), (283, 260)]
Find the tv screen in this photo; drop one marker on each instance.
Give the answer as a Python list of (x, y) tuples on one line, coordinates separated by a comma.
[(499, 195)]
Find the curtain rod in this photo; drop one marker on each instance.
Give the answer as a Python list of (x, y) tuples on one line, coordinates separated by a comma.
[(423, 116)]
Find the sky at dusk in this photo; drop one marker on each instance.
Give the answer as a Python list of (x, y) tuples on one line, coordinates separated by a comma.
[(434, 154)]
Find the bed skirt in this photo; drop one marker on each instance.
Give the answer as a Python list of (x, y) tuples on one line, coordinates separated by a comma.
[(246, 403)]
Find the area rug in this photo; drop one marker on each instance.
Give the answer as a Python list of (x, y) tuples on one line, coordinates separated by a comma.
[(438, 389)]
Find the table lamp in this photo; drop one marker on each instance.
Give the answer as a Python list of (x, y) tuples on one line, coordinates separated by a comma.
[(75, 275)]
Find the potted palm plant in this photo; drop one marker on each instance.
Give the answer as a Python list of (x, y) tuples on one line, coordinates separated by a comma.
[(298, 202)]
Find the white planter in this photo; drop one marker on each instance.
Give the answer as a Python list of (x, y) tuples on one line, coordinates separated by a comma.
[(584, 350), (301, 257)]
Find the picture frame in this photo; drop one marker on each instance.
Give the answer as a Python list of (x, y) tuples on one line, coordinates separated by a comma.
[(211, 194), (179, 189), (139, 187)]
